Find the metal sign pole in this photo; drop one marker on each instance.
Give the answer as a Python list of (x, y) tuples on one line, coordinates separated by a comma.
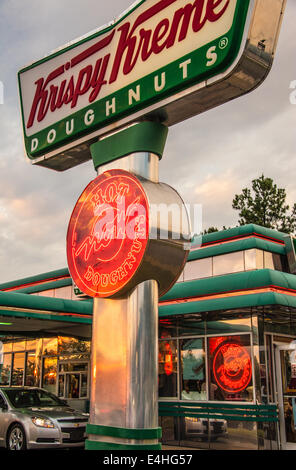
[(124, 398), (125, 255)]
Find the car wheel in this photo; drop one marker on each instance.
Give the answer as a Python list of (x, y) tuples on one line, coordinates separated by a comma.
[(16, 439)]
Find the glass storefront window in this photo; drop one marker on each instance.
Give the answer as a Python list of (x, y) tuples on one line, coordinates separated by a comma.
[(250, 260), (217, 325), (167, 372), (230, 368), (269, 366), (5, 369), (7, 347), (198, 269), (49, 374), (18, 369), (30, 367), (192, 326), (167, 328), (73, 379), (19, 346), (72, 385), (50, 346), (288, 363), (193, 369), (230, 263), (61, 390), (73, 345), (83, 391), (259, 259), (31, 344), (63, 292), (268, 260)]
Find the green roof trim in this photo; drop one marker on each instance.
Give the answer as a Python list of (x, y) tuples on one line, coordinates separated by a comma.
[(35, 279), (228, 303), (48, 286), (242, 230), (231, 282), (45, 316), (33, 302), (240, 245)]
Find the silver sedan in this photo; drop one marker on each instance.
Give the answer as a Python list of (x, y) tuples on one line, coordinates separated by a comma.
[(32, 418)]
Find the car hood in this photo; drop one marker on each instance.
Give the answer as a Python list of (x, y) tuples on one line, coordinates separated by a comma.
[(57, 412)]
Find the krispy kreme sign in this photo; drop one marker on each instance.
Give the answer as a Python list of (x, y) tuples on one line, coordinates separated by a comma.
[(141, 64)]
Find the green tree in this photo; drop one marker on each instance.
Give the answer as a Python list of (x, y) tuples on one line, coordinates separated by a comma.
[(214, 229), (210, 230), (265, 204)]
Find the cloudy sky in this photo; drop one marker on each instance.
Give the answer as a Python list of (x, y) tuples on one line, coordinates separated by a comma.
[(208, 158)]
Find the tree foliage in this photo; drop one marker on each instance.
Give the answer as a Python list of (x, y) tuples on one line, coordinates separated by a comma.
[(265, 204)]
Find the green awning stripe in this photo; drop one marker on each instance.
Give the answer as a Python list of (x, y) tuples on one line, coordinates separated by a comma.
[(231, 282), (45, 316), (123, 433), (228, 303), (240, 245), (45, 287), (98, 445), (34, 302), (35, 279), (248, 229)]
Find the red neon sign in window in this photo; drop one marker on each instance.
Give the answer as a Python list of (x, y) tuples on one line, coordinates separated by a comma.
[(168, 360), (232, 367), (108, 233)]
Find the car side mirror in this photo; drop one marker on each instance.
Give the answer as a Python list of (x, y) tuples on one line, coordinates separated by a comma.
[(4, 407)]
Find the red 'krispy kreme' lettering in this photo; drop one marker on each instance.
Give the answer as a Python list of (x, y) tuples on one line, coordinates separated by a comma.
[(147, 42), (134, 42), (68, 92)]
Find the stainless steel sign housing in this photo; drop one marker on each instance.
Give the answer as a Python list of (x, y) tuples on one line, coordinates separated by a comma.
[(165, 60)]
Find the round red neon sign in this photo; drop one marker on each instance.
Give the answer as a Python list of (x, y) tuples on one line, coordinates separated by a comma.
[(232, 367), (108, 233)]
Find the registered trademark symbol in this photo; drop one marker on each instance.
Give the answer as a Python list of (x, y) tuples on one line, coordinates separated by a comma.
[(223, 43)]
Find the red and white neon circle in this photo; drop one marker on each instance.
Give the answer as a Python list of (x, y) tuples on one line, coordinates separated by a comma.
[(232, 367), (108, 233)]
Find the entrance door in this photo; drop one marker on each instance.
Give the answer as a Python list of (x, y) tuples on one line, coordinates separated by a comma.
[(286, 388)]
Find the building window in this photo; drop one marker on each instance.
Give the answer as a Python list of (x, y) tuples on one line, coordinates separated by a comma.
[(49, 346), (5, 369), (214, 368), (30, 368), (49, 374), (230, 368), (230, 263), (73, 379), (198, 269), (193, 369), (168, 369), (239, 261), (18, 368)]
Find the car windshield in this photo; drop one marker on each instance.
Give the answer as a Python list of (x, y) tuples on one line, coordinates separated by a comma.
[(28, 398)]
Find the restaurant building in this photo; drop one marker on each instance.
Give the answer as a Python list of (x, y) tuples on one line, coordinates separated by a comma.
[(227, 342)]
